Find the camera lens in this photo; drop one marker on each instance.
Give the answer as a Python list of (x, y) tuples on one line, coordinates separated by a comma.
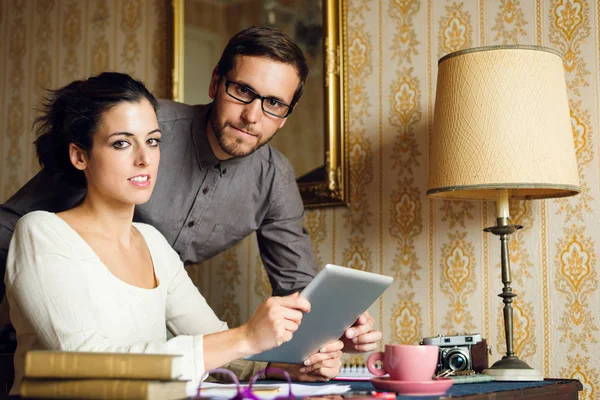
[(457, 361)]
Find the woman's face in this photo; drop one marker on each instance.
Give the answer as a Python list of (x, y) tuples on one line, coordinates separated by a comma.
[(123, 163)]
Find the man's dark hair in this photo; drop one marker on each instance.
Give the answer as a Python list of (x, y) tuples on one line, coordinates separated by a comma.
[(267, 42), (72, 114)]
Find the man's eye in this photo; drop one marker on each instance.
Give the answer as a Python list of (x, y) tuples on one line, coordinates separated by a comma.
[(120, 144), (274, 103), (243, 89)]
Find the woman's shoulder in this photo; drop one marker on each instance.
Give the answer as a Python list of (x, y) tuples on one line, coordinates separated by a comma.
[(37, 219), (44, 230)]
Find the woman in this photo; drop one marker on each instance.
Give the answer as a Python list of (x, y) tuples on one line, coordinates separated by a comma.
[(89, 279)]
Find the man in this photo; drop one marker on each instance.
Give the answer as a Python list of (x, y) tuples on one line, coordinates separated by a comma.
[(219, 180)]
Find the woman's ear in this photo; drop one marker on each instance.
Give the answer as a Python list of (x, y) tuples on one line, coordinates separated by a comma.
[(78, 157)]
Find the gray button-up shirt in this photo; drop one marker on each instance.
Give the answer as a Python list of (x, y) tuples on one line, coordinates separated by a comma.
[(200, 204)]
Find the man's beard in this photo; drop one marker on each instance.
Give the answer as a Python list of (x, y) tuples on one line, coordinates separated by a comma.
[(234, 147)]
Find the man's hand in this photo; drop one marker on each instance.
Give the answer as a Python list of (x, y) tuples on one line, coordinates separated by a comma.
[(360, 337), (319, 367)]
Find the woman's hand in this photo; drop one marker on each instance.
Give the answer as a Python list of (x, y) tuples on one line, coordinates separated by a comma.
[(319, 367), (274, 322)]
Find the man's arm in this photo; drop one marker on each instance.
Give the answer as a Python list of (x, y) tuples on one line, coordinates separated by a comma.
[(287, 254), (284, 244), (5, 236)]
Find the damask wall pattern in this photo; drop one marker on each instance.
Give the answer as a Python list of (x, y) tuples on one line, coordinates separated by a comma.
[(49, 43), (446, 268)]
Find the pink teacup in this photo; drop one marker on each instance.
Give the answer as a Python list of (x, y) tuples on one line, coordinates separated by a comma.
[(405, 362)]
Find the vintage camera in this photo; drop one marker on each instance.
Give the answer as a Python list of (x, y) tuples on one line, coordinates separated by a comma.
[(460, 352)]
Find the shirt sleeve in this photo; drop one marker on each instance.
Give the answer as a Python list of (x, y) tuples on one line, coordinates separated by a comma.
[(187, 311), (243, 369), (5, 236), (45, 290), (285, 247)]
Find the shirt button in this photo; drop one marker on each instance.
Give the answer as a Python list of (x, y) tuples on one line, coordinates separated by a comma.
[(190, 224), (205, 190), (224, 171), (203, 164)]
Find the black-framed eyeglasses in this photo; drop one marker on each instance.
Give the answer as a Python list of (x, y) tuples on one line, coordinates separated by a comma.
[(248, 391), (246, 95)]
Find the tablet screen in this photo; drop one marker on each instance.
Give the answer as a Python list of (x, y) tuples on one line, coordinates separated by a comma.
[(338, 296)]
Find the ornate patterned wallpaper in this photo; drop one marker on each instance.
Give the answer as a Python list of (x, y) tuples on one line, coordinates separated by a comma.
[(446, 268), (49, 43)]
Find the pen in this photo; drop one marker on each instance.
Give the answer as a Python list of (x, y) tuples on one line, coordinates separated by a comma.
[(266, 391), (257, 389), (385, 395), (368, 394)]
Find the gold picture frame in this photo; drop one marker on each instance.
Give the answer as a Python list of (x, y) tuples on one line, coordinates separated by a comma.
[(329, 185)]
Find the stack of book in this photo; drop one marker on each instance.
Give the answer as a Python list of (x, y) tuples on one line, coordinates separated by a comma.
[(87, 375)]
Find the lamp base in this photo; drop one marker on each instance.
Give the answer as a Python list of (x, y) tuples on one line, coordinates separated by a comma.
[(513, 369)]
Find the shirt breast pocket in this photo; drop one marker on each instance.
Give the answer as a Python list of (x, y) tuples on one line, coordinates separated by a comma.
[(223, 237)]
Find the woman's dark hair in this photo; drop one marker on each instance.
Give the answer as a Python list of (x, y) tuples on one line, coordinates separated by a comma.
[(72, 114), (267, 42)]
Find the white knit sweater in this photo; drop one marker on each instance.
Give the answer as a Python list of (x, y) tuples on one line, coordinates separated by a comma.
[(62, 297)]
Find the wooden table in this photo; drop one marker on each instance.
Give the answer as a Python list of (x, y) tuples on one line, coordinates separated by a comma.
[(560, 389)]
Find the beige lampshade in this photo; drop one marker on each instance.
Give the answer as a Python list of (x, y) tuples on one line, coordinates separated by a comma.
[(502, 121)]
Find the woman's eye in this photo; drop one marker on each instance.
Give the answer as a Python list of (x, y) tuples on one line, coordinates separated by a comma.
[(153, 142), (120, 144)]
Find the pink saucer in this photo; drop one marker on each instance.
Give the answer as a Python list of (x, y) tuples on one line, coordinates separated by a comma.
[(435, 387)]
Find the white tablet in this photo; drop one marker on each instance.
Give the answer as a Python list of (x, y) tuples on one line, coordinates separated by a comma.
[(338, 296)]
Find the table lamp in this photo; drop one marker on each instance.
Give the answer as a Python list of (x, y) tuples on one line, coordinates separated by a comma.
[(502, 129)]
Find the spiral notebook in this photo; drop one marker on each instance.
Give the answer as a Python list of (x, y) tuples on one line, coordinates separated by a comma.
[(354, 372)]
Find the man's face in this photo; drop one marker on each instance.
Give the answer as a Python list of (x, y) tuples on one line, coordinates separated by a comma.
[(237, 129)]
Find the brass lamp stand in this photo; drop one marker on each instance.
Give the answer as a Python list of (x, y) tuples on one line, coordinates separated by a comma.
[(510, 367)]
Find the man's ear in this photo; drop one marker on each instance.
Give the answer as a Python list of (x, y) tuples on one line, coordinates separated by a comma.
[(77, 156), (285, 119), (214, 84)]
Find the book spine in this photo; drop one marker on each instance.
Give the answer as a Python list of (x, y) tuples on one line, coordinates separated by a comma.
[(98, 365), (85, 389)]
